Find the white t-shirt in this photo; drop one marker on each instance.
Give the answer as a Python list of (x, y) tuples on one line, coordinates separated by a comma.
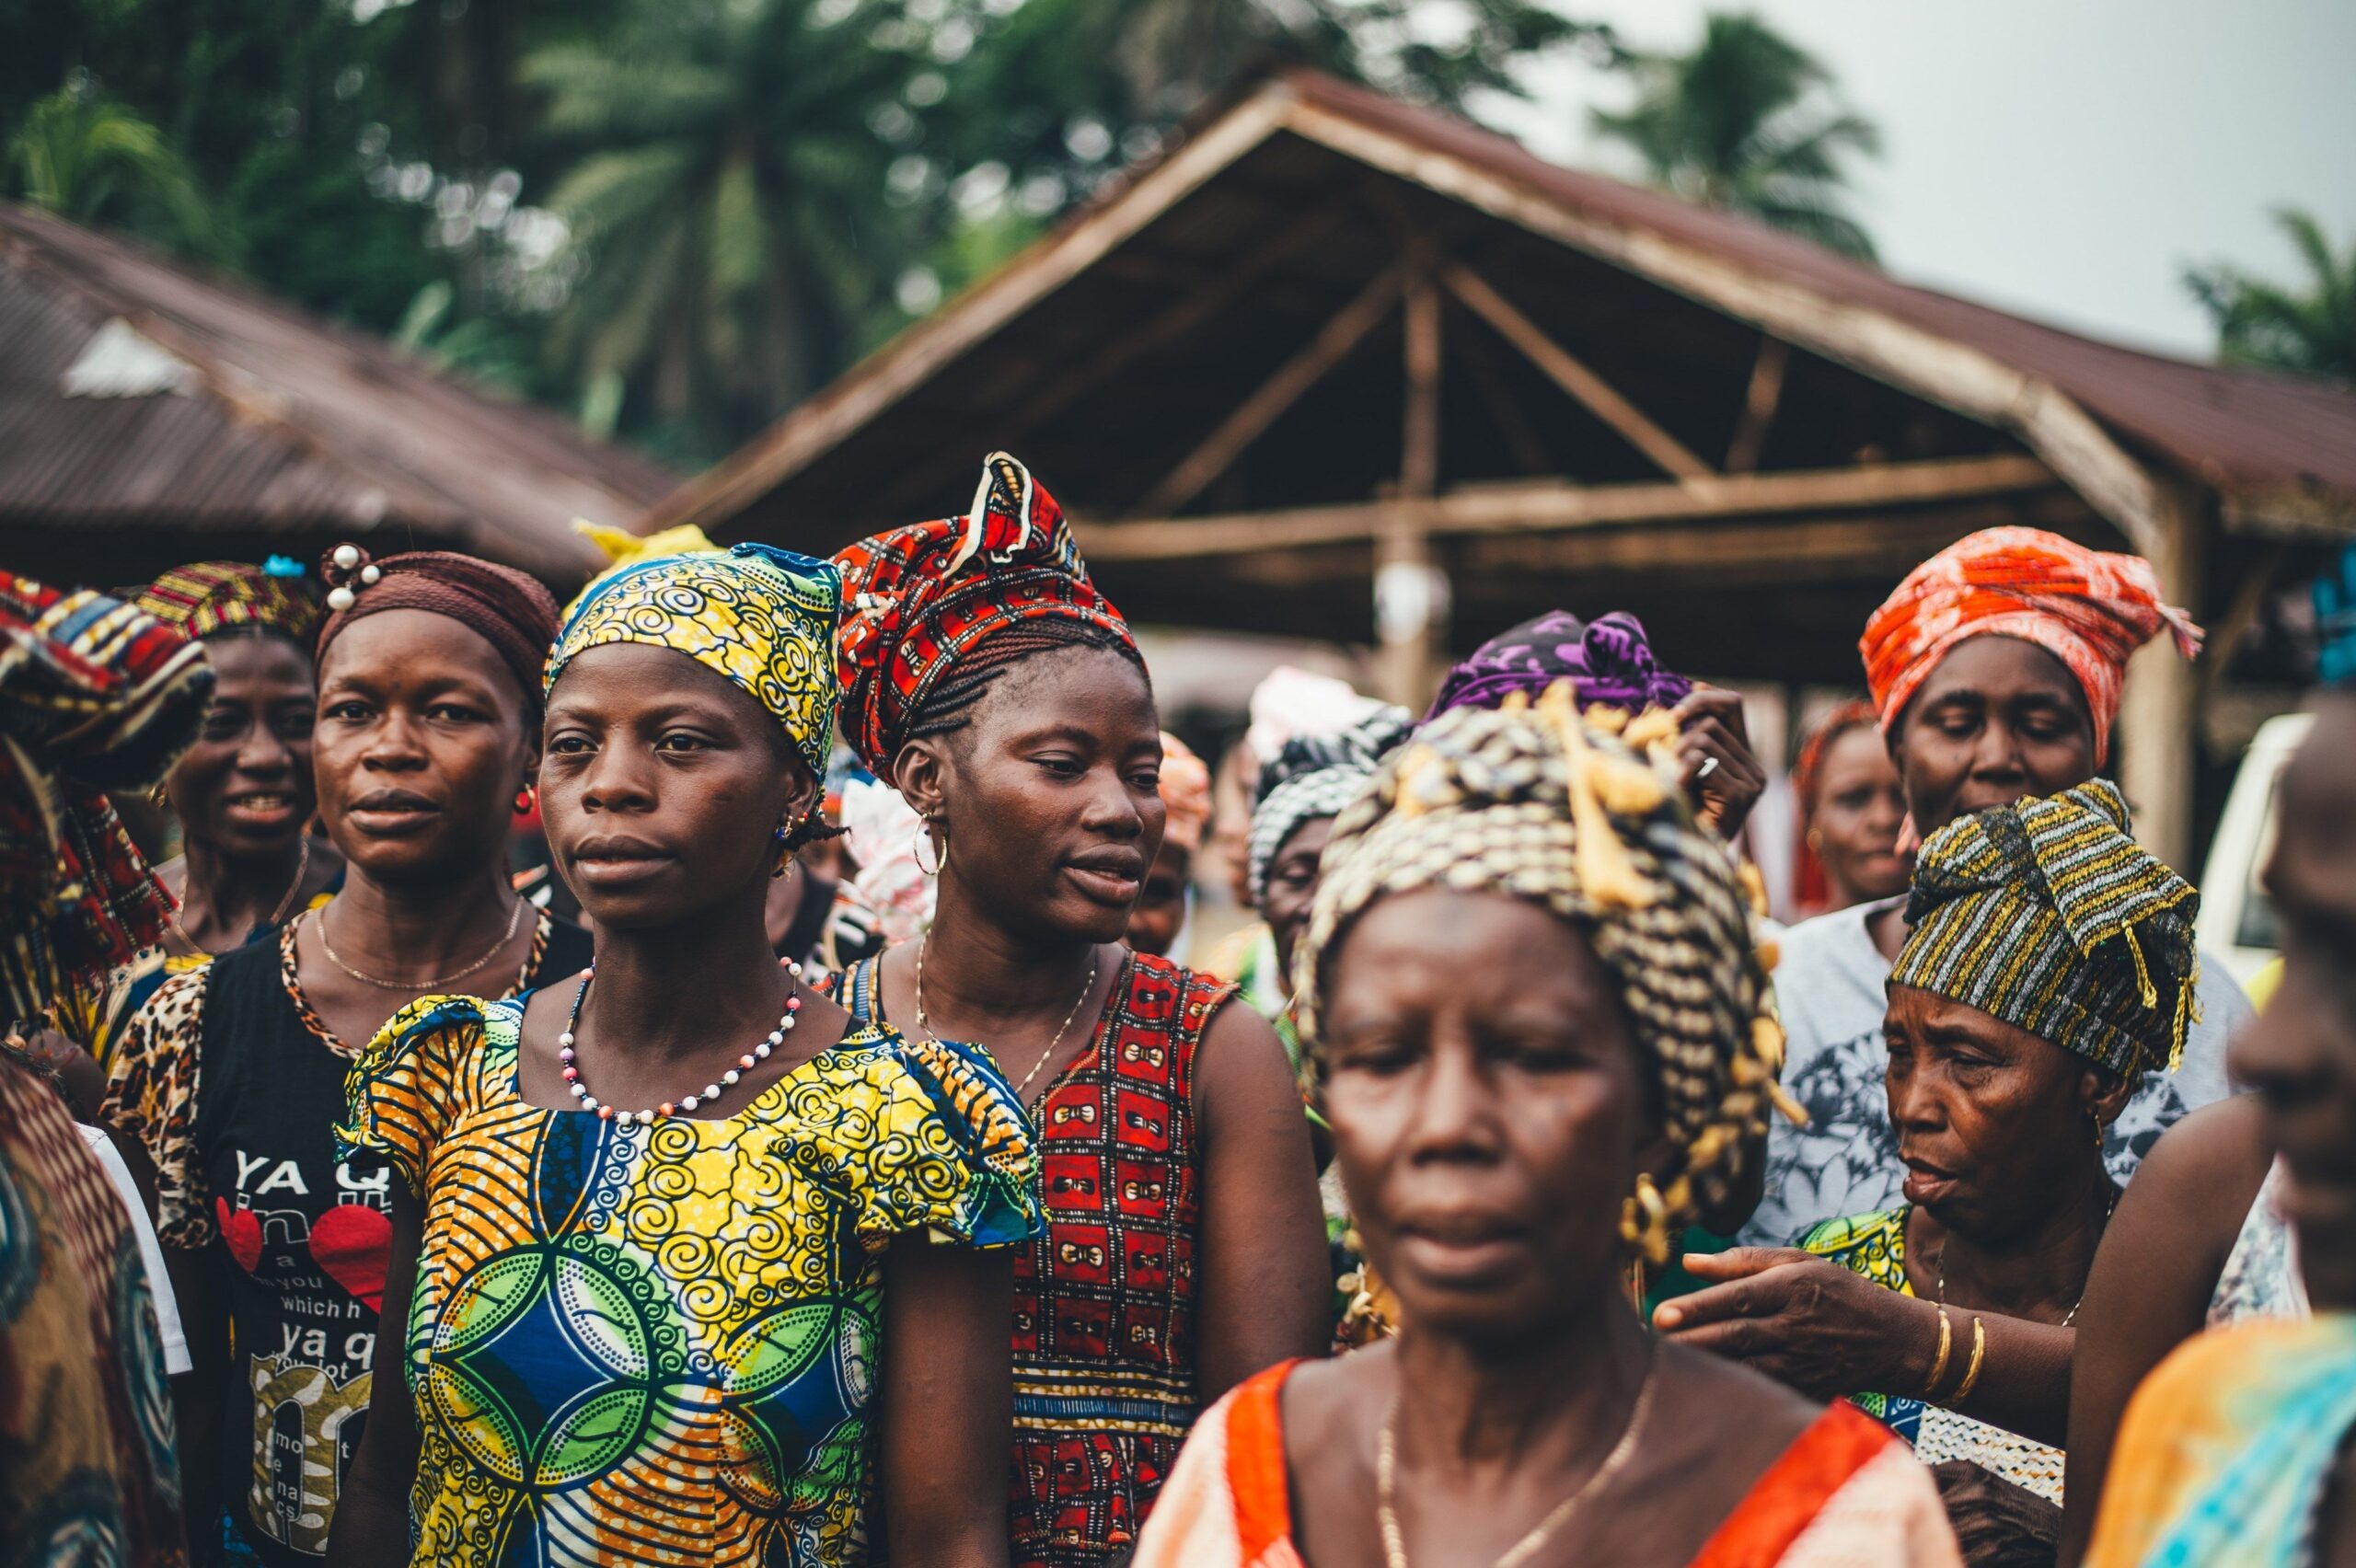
[(168, 1306), (1831, 983)]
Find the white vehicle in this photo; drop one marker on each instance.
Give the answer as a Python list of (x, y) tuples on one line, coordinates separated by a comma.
[(2237, 921)]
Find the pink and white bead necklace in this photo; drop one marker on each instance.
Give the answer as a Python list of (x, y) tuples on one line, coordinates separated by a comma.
[(565, 1044)]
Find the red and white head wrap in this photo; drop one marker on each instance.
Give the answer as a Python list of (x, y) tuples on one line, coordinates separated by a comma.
[(2088, 608)]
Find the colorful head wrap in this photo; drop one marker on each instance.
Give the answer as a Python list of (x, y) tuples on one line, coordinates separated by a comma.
[(763, 618), (506, 608), (95, 695), (1541, 804), (1850, 714), (1314, 777), (959, 594), (2088, 608), (1185, 794), (2047, 915), (210, 597), (1608, 661)]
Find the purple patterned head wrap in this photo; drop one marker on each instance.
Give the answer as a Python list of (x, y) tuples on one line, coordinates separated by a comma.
[(1608, 661)]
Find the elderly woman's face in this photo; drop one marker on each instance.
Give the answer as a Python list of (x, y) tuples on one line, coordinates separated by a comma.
[(1995, 1126), (1487, 1105)]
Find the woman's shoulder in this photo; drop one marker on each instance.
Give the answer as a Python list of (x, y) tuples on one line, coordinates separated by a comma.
[(930, 1076), (442, 1029)]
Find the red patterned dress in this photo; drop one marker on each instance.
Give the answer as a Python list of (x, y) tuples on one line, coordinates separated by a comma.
[(1105, 1300)]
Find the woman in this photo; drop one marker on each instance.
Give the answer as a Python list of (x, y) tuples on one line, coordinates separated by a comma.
[(1159, 921), (673, 1299), (2235, 1451), (1301, 793), (242, 793), (987, 679), (2050, 966), (1530, 991), (231, 1077), (94, 695), (1851, 807), (1996, 668)]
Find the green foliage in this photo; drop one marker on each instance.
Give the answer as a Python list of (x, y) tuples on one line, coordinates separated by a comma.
[(1747, 122), (82, 156), (2309, 328)]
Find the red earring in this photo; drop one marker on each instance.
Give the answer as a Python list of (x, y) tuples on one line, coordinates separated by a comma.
[(526, 798)]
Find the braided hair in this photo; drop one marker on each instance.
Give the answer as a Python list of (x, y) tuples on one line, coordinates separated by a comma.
[(949, 706), (1583, 816)]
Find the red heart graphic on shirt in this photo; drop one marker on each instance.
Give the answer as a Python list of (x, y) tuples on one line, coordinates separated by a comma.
[(241, 1230), (350, 1241)]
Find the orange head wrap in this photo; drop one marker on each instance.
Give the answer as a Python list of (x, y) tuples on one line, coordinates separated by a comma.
[(1186, 792), (2088, 608)]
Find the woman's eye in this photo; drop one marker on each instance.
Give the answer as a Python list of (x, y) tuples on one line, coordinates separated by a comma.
[(568, 745), (450, 713), (1061, 766), (345, 712)]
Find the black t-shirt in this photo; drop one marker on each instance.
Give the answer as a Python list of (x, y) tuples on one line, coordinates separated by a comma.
[(303, 1241)]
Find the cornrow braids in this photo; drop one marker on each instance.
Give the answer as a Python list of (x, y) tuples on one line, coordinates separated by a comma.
[(948, 707), (1583, 816)]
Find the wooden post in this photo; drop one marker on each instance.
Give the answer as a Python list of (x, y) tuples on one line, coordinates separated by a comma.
[(1410, 591), (2157, 738)]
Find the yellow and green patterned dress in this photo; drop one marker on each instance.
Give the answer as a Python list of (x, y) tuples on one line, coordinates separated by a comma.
[(658, 1343), (1874, 1245)]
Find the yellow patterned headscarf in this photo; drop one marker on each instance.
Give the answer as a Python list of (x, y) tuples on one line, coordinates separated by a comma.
[(762, 617)]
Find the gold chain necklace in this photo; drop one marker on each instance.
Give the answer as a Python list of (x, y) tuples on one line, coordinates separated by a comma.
[(1022, 1088), (440, 982), (277, 915), (1394, 1540)]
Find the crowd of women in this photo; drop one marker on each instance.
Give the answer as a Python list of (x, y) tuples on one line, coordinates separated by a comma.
[(1514, 1193)]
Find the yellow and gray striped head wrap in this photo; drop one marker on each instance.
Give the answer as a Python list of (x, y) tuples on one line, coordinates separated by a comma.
[(2047, 915), (1583, 817)]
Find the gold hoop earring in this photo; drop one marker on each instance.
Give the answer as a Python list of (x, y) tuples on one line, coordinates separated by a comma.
[(939, 850)]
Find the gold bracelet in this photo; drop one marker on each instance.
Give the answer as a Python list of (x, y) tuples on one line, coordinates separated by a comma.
[(1970, 1372), (1939, 1362)]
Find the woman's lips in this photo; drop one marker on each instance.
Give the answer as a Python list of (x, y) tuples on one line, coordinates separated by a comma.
[(1460, 1254), (1107, 882), (391, 815), (1926, 1184)]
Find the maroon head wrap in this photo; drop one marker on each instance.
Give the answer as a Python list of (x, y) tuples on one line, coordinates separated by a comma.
[(956, 594), (507, 608)]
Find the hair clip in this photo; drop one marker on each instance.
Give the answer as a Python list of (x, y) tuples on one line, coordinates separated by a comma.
[(345, 566)]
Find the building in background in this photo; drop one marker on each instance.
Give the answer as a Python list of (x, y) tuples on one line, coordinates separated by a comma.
[(149, 416), (1346, 369)]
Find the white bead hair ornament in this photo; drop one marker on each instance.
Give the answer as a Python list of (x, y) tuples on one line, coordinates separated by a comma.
[(341, 598)]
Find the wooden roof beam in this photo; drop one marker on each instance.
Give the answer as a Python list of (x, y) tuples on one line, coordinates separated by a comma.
[(1250, 418), (1760, 401), (1538, 508), (1593, 393)]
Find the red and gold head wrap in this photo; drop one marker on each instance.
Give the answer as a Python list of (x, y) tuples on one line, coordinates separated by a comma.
[(958, 593), (2088, 608)]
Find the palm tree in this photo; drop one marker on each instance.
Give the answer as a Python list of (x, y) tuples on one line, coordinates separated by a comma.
[(84, 156), (1749, 121), (2264, 323), (725, 183)]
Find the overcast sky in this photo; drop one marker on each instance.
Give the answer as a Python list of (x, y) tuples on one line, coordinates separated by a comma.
[(2064, 158)]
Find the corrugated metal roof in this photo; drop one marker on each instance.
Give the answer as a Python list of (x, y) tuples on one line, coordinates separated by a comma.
[(283, 425)]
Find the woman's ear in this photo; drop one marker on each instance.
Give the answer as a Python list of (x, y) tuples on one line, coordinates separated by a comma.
[(920, 773), (802, 792), (2106, 1094)]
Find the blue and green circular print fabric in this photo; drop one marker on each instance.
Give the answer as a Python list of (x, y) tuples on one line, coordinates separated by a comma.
[(658, 1343)]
